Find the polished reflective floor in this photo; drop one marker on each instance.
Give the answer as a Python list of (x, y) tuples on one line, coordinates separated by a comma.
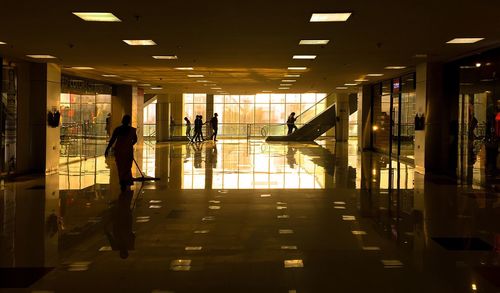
[(248, 216)]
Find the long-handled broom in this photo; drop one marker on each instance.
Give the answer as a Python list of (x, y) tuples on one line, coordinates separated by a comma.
[(143, 178)]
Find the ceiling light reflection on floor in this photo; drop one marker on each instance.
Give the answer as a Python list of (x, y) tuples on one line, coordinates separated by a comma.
[(285, 231)]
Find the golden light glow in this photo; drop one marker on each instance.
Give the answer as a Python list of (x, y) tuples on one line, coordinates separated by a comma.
[(374, 127)]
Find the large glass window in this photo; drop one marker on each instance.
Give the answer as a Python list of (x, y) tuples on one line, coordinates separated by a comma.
[(240, 113)]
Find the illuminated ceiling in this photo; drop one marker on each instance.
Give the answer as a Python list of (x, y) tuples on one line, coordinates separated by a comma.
[(245, 46)]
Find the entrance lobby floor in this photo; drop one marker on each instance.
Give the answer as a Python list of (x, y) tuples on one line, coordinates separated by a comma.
[(247, 216)]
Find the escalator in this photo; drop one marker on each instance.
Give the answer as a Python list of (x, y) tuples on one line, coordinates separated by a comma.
[(311, 129)]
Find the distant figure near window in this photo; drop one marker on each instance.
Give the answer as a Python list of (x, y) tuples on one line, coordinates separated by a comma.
[(172, 126), (188, 128), (125, 137), (214, 122), (108, 125), (290, 122)]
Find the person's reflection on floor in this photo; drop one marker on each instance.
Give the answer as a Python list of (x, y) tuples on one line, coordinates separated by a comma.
[(197, 155), (290, 156), (214, 157), (120, 236)]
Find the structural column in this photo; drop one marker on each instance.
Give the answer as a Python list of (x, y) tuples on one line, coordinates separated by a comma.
[(365, 118), (342, 125), (167, 107), (435, 145)]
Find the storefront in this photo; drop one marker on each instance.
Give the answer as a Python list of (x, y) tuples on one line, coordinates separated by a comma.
[(479, 118), (393, 124), (85, 115), (8, 117)]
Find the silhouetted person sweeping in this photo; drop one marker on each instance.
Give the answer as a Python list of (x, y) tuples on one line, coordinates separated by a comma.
[(125, 137)]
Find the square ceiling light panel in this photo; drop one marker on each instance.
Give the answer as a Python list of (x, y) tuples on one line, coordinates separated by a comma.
[(330, 17), (41, 56), (140, 42), (313, 42), (165, 57), (97, 16), (464, 40), (297, 68), (82, 68), (304, 57)]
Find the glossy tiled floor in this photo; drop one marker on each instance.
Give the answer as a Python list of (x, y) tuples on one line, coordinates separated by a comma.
[(246, 216)]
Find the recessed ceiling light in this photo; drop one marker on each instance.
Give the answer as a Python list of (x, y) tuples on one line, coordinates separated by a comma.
[(196, 75), (395, 67), (285, 84), (130, 80), (420, 56), (283, 88), (304, 57), (144, 84), (97, 16), (215, 88), (328, 17), (464, 40), (184, 68), (361, 80), (267, 91), (313, 42), (140, 42), (341, 87), (3, 43), (202, 81), (110, 75), (350, 84), (156, 88), (292, 75), (42, 56), (375, 74), (82, 68), (165, 57), (288, 80), (297, 68)]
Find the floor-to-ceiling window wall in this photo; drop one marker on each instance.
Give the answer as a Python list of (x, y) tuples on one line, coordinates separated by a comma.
[(149, 115), (242, 115)]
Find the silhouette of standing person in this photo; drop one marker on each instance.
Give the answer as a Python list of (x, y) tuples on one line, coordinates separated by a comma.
[(290, 122), (125, 137)]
